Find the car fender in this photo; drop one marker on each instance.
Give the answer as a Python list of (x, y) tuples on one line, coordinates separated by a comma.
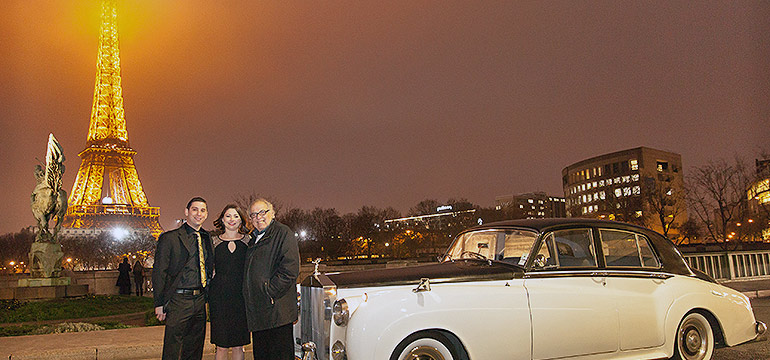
[(473, 312), (730, 308)]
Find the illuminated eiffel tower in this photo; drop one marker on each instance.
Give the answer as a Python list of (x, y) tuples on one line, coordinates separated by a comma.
[(108, 159)]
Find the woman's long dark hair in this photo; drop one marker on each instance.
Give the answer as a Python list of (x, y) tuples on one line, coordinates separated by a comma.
[(243, 229)]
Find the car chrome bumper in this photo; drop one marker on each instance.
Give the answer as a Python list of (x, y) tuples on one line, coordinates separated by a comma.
[(307, 352), (760, 327)]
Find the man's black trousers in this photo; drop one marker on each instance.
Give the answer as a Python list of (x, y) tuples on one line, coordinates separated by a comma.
[(274, 344), (185, 327)]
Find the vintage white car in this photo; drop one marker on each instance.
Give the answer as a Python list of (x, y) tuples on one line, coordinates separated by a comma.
[(528, 289)]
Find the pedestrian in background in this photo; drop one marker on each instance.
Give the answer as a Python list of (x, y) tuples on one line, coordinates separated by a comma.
[(124, 277), (139, 278)]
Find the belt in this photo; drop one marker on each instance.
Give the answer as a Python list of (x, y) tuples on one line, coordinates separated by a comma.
[(189, 291)]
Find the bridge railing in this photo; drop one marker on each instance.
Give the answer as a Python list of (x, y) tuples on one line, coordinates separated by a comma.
[(732, 265)]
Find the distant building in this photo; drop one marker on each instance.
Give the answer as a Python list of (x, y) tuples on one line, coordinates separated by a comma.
[(611, 186), (534, 205), (443, 226), (759, 194)]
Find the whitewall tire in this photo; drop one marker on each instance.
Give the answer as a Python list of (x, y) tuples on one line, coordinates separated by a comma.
[(430, 345), (694, 338)]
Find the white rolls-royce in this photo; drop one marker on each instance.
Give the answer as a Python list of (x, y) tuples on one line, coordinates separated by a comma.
[(528, 289)]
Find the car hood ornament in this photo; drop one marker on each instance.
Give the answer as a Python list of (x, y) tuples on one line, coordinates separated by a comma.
[(316, 262)]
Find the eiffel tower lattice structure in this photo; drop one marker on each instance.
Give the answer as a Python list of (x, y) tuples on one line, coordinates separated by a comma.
[(107, 193)]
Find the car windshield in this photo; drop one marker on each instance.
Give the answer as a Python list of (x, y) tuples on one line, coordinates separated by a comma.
[(507, 245)]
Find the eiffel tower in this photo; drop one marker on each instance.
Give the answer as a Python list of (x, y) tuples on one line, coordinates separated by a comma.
[(108, 160)]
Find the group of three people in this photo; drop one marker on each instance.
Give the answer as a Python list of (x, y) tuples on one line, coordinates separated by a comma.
[(248, 278)]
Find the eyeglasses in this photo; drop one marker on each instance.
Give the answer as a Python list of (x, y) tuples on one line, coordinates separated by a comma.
[(261, 213)]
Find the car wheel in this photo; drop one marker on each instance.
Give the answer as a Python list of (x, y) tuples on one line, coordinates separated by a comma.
[(430, 345), (694, 338)]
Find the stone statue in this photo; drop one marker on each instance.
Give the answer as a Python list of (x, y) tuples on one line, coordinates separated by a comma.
[(48, 201)]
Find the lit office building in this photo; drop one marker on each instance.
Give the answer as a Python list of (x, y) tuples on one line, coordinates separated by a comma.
[(619, 186), (759, 194), (535, 205)]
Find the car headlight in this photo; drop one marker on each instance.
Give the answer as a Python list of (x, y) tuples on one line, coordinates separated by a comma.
[(340, 312), (338, 351)]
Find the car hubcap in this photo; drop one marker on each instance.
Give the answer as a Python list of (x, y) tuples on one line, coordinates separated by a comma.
[(692, 341), (425, 353)]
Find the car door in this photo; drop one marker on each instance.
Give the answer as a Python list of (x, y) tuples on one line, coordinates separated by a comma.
[(572, 314), (636, 288)]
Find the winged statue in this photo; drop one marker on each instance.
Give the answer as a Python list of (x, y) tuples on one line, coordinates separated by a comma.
[(49, 200)]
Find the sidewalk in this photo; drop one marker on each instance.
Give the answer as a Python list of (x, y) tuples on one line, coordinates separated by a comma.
[(146, 343)]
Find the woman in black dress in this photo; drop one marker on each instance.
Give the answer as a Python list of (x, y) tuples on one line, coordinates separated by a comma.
[(226, 307)]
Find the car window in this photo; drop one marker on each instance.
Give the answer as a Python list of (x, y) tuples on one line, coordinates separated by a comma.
[(626, 249), (509, 245), (566, 249)]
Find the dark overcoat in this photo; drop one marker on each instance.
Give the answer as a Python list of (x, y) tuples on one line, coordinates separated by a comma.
[(270, 278), (171, 255)]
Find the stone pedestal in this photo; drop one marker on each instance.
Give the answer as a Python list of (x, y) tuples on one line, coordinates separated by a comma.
[(35, 282), (45, 260)]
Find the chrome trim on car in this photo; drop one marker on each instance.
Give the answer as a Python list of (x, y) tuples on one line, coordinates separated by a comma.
[(597, 273), (760, 327), (340, 312), (424, 285), (318, 293), (308, 351)]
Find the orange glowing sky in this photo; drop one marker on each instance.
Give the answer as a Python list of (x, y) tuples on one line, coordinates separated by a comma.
[(385, 103)]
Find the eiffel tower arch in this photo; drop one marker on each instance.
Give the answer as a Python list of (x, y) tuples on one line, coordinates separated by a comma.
[(107, 193)]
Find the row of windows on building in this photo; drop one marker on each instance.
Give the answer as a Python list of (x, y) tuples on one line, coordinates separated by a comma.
[(602, 195), (616, 168), (603, 182)]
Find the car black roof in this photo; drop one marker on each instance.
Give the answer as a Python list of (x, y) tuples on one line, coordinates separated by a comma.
[(540, 224), (669, 255)]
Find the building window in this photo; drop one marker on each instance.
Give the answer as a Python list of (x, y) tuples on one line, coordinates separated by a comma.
[(626, 179), (662, 166), (637, 190), (601, 182), (618, 192), (635, 177), (634, 164)]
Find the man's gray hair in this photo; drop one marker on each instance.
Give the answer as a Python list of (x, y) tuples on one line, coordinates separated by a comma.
[(264, 201)]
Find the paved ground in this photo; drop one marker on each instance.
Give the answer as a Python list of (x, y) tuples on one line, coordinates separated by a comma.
[(146, 342)]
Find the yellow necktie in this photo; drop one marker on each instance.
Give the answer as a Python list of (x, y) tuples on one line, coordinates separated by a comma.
[(201, 260)]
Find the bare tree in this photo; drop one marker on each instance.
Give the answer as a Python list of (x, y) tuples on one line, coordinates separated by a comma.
[(717, 196), (244, 201), (427, 206), (665, 204)]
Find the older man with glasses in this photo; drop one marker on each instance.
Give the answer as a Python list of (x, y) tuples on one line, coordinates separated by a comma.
[(269, 285)]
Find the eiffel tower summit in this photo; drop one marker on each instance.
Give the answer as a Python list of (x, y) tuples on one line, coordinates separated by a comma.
[(107, 194)]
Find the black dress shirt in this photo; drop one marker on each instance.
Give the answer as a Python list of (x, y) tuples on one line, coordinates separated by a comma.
[(190, 277)]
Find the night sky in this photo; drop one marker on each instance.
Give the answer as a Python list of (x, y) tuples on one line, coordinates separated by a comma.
[(385, 103)]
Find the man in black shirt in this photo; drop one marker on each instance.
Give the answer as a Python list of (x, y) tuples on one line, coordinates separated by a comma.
[(183, 267)]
